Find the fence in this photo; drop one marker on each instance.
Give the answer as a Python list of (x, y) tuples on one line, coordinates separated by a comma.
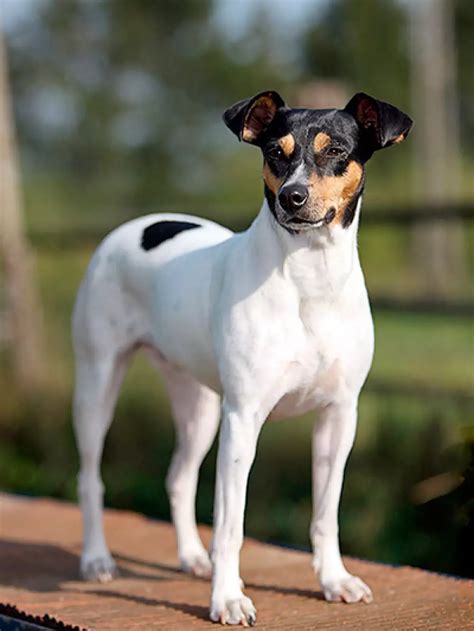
[(396, 216)]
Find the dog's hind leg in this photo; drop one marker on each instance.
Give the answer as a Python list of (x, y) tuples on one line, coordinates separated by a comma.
[(196, 410), (97, 385)]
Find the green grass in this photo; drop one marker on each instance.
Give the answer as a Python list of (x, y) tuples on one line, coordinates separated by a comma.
[(433, 352)]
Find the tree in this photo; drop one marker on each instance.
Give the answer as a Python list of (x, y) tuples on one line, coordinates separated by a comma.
[(23, 310), (137, 90), (363, 42)]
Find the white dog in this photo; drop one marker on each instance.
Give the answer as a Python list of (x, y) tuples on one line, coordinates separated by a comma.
[(271, 322)]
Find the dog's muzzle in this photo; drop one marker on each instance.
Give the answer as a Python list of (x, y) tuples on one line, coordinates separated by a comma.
[(292, 200)]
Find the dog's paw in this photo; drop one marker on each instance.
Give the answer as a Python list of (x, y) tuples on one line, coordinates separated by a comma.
[(101, 569), (348, 589), (236, 611), (198, 565)]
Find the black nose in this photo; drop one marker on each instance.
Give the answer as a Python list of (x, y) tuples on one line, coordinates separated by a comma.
[(293, 197)]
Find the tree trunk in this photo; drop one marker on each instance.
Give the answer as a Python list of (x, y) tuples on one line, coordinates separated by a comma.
[(439, 246), (22, 301)]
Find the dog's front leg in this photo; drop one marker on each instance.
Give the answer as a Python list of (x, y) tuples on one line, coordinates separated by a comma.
[(237, 444), (333, 437)]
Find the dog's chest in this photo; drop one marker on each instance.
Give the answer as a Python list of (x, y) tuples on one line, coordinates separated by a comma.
[(331, 360)]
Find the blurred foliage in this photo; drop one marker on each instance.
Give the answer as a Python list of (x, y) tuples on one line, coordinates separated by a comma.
[(119, 105), (341, 45), (128, 96), (133, 88), (464, 16)]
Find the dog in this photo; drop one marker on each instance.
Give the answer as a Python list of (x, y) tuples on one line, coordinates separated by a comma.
[(269, 323)]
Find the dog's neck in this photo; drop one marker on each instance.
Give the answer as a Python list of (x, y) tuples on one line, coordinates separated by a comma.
[(318, 262)]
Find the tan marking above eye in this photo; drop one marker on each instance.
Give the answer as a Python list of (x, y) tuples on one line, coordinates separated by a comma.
[(287, 144), (271, 180), (321, 141)]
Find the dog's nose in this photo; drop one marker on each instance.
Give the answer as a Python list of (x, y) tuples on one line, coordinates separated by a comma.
[(293, 197)]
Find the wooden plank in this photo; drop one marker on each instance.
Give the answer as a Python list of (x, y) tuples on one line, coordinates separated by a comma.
[(39, 548)]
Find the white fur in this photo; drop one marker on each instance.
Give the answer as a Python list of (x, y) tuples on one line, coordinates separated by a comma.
[(276, 324)]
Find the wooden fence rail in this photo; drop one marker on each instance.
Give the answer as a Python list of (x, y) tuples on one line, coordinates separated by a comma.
[(79, 236)]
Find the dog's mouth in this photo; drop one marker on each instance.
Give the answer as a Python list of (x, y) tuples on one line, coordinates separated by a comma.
[(300, 224)]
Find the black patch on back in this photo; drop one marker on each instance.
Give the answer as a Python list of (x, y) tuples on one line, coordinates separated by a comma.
[(163, 230)]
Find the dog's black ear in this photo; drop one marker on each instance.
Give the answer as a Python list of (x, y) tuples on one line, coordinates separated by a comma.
[(380, 124), (250, 117)]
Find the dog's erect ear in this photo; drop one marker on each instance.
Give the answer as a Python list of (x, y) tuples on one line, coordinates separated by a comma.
[(380, 124), (250, 117)]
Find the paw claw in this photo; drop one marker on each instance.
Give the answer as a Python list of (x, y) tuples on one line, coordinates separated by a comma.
[(235, 611), (349, 589)]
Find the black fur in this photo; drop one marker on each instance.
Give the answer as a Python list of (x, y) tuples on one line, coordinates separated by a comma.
[(380, 124), (161, 231), (350, 209)]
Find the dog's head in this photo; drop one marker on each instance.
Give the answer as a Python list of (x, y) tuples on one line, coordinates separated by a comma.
[(314, 159)]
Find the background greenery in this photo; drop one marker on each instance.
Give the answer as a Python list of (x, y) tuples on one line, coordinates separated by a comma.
[(118, 107)]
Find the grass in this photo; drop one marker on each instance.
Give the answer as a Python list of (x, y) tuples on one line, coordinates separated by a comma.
[(432, 352)]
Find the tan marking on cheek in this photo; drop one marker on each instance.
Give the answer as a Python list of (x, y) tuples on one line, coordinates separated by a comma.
[(271, 180), (399, 139), (334, 191), (324, 192), (321, 141), (287, 143), (351, 181)]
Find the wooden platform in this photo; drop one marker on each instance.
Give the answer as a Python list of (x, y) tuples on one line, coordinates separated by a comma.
[(39, 547)]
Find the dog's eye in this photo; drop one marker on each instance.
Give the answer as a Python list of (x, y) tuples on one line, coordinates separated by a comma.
[(335, 152), (276, 153)]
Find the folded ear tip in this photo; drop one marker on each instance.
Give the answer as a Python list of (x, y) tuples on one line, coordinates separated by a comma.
[(363, 95), (360, 96), (277, 98)]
